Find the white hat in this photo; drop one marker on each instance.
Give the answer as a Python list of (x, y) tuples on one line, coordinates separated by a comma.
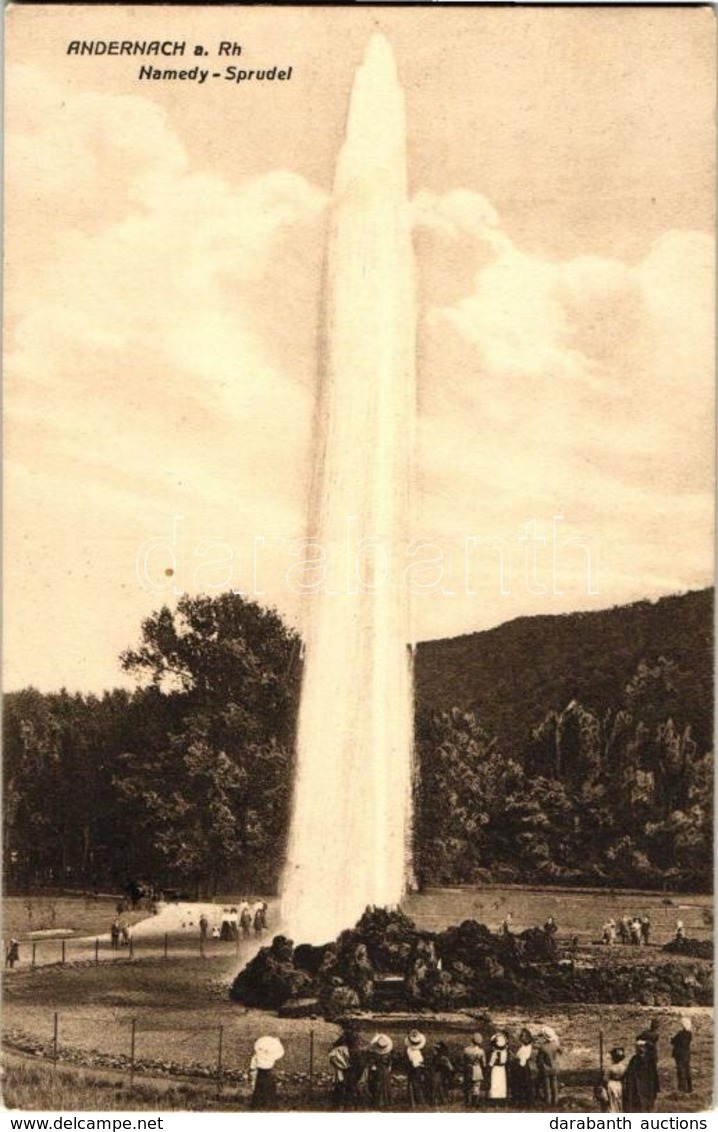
[(416, 1039), (499, 1040), (268, 1050), (686, 1024), (382, 1042)]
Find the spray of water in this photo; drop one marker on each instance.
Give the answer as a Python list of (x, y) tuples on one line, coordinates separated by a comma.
[(351, 823)]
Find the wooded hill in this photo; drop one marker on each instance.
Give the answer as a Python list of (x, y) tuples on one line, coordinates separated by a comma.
[(573, 749), (511, 676)]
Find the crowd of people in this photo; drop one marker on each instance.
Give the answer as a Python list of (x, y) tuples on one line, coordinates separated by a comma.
[(633, 1084), (245, 918), (489, 1072), (633, 930), (523, 1073), (249, 916)]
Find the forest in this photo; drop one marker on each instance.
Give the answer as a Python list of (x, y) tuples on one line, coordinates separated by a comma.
[(564, 750)]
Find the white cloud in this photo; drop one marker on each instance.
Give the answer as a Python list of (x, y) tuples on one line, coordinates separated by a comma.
[(579, 387), (162, 350)]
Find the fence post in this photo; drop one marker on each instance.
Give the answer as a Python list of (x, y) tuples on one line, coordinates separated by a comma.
[(132, 1053), (63, 953), (54, 1041), (165, 945), (97, 951), (132, 947), (34, 950), (219, 1060), (311, 1061)]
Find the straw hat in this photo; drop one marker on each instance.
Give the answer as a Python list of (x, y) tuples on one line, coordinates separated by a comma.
[(686, 1024), (499, 1040), (267, 1051), (382, 1043), (477, 1039), (416, 1039)]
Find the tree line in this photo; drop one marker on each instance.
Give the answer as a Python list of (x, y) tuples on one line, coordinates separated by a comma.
[(186, 781)]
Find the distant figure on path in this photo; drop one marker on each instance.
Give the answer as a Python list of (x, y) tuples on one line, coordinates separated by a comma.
[(624, 929), (609, 932), (681, 1048), (12, 955), (645, 929), (680, 930), (267, 1052), (203, 926), (115, 934), (245, 921), (550, 929), (260, 917), (505, 928), (216, 933)]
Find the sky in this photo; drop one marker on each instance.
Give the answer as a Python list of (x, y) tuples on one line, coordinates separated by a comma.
[(164, 251)]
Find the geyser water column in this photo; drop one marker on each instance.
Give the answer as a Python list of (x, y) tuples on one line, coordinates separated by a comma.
[(350, 834)]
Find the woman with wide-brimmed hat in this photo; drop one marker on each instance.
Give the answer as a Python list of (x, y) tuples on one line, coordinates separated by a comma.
[(498, 1085), (416, 1071), (267, 1052), (379, 1071)]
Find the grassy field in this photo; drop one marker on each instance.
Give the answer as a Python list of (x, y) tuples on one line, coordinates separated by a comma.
[(578, 912), (36, 1085), (178, 1006), (80, 915)]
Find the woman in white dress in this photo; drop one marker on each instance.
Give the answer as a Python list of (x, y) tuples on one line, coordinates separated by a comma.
[(498, 1090)]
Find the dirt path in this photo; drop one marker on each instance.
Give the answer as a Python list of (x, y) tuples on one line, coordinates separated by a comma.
[(172, 933)]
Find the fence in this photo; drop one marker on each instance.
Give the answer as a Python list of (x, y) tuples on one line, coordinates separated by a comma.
[(64, 952), (133, 1047)]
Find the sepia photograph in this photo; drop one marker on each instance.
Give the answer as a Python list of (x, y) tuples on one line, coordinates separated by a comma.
[(358, 560)]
